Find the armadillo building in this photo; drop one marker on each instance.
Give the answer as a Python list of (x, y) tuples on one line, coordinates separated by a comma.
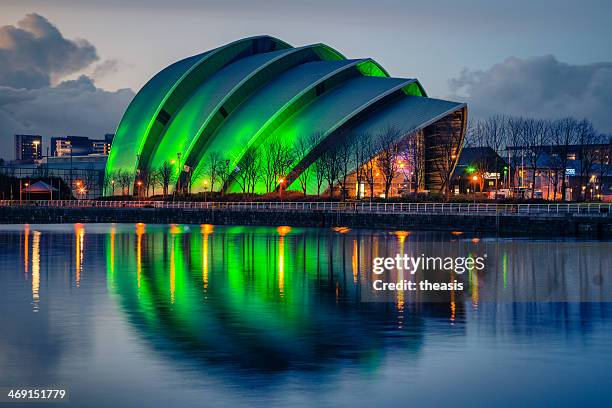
[(250, 93)]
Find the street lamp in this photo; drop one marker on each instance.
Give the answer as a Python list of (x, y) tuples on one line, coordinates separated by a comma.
[(474, 180), (281, 182), (139, 184)]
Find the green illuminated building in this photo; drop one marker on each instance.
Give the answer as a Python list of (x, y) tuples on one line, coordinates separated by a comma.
[(247, 95)]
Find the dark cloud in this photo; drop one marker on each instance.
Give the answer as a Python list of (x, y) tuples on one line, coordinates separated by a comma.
[(35, 53), (539, 87), (74, 107)]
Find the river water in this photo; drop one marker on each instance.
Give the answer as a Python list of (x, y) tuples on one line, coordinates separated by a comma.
[(128, 315)]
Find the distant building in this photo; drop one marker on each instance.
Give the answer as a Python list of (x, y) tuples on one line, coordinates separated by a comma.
[(585, 170), (483, 162), (28, 148), (108, 140), (80, 145)]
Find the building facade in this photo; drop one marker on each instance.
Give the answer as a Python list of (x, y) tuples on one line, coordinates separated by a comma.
[(258, 96), (28, 148), (80, 145)]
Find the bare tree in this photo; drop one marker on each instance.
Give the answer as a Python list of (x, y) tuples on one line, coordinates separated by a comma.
[(154, 180), (535, 134), (211, 169), (414, 157), (494, 132), (225, 174), (475, 135), (568, 135), (587, 138), (282, 158), (125, 179), (110, 179), (331, 167), (195, 174), (145, 176), (248, 174), (557, 163), (166, 175), (91, 179), (370, 174), (319, 169), (387, 148), (344, 156), (302, 149), (268, 173), (361, 155), (515, 127)]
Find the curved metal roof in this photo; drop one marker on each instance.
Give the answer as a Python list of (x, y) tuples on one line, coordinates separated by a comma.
[(252, 92)]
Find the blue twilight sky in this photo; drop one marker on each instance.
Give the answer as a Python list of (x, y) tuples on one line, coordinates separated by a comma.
[(544, 58)]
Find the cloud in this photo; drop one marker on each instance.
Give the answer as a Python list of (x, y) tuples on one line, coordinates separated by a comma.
[(35, 53), (539, 87), (74, 107), (106, 68), (34, 56)]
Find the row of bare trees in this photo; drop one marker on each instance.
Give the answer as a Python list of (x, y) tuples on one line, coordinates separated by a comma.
[(370, 159), (528, 140), (146, 180), (277, 164)]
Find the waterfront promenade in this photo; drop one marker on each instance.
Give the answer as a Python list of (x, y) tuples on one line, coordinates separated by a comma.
[(592, 220)]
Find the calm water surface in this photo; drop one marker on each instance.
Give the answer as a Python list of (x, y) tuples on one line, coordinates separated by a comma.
[(190, 315)]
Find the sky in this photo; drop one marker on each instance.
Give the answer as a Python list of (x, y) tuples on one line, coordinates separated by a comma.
[(71, 67)]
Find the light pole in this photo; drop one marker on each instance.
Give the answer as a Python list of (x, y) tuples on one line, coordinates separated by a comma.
[(139, 184), (474, 180), (280, 187), (180, 171)]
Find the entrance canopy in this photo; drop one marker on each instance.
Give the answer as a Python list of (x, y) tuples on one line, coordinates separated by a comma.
[(39, 187)]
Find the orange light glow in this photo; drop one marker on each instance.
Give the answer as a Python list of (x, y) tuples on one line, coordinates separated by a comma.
[(35, 270), (401, 235), (283, 230), (79, 233), (341, 230), (26, 248), (140, 230)]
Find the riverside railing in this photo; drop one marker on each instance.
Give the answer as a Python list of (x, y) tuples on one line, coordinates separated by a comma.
[(361, 207)]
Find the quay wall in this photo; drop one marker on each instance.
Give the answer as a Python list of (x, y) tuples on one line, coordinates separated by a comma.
[(598, 226)]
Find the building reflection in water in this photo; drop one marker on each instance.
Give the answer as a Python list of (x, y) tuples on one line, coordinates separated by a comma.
[(280, 298), (267, 302)]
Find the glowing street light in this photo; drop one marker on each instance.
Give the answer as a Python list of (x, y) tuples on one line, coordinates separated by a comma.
[(474, 181), (281, 181)]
